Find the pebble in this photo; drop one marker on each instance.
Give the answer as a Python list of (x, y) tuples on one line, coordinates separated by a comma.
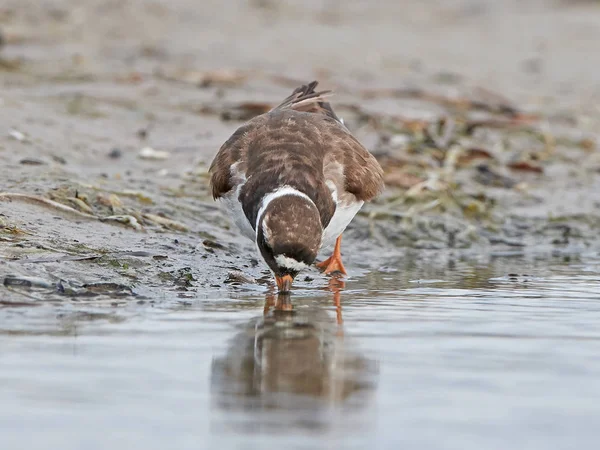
[(151, 154), (115, 153), (237, 276), (399, 140), (31, 162), (17, 135)]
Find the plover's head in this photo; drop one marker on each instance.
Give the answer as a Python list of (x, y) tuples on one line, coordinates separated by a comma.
[(288, 235)]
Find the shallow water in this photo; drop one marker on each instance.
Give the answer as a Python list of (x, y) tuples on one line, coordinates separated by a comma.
[(433, 352)]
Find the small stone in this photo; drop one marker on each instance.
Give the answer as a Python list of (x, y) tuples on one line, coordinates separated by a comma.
[(59, 159), (239, 277), (213, 244), (31, 162), (151, 154), (16, 135), (399, 140), (142, 133), (115, 153)]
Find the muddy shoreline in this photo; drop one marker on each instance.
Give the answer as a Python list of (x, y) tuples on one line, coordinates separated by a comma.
[(122, 136)]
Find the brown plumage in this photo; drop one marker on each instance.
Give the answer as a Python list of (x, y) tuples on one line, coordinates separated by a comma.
[(301, 120), (300, 145)]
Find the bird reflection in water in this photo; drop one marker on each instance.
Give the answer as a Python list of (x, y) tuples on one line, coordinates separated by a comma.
[(293, 359)]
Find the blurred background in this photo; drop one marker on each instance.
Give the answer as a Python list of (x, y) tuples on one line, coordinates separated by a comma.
[(525, 49)]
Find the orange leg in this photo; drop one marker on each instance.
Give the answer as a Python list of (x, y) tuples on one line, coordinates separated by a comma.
[(334, 262), (284, 283)]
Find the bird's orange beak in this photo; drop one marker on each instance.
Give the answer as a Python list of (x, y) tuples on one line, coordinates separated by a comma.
[(284, 283)]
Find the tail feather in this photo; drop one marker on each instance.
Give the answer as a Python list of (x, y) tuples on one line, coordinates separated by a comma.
[(305, 99)]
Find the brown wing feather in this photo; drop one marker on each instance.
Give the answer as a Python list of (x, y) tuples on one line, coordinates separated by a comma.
[(363, 176), (303, 99), (306, 99), (231, 151)]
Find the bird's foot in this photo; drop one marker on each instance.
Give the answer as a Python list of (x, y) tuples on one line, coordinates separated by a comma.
[(332, 265)]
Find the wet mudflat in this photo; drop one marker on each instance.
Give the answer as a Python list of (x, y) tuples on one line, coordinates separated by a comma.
[(133, 316)]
